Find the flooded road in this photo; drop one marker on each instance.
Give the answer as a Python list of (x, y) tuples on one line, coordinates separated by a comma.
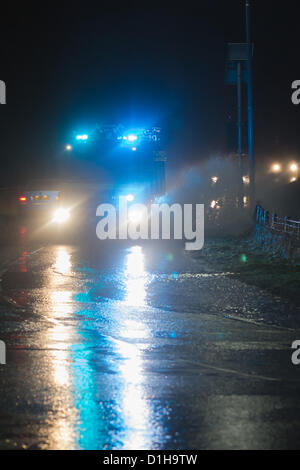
[(142, 347)]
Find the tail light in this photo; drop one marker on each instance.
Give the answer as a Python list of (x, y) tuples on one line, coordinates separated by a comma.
[(23, 199)]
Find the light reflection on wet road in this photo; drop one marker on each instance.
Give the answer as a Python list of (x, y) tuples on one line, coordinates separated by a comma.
[(135, 349)]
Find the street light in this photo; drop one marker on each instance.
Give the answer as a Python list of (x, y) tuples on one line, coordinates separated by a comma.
[(69, 147), (294, 167), (276, 168)]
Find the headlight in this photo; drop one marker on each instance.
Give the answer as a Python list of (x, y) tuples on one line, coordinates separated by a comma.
[(61, 216)]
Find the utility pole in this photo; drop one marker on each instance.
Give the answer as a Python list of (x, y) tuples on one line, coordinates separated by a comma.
[(237, 56), (239, 106), (239, 123), (250, 104)]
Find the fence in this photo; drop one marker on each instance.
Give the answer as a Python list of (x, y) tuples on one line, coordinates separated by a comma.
[(279, 235)]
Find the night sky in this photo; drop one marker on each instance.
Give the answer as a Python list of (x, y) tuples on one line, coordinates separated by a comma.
[(68, 66)]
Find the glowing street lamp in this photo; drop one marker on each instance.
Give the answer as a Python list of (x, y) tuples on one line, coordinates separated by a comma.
[(276, 168), (68, 147), (294, 167)]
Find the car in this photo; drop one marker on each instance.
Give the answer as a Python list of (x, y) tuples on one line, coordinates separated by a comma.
[(44, 205)]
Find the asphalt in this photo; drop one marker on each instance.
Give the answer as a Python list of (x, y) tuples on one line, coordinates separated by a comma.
[(140, 346)]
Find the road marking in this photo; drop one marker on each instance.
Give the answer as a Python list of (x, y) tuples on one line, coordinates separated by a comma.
[(260, 324), (242, 374)]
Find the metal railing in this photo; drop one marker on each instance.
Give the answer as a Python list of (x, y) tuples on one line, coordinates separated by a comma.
[(281, 235)]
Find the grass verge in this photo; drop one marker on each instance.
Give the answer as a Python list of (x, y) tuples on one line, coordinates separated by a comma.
[(246, 261)]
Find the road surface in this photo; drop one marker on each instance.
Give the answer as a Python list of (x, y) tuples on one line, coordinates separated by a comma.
[(134, 346)]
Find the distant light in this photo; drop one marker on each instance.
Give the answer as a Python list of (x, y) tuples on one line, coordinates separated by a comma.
[(246, 179), (22, 199), (215, 205), (294, 167), (130, 197), (292, 180), (276, 168), (68, 147), (134, 149), (214, 179), (132, 137)]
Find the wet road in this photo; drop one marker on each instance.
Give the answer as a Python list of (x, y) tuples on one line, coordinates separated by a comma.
[(141, 347)]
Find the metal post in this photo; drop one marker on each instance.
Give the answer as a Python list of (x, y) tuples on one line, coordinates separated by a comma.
[(239, 123), (239, 106), (250, 106)]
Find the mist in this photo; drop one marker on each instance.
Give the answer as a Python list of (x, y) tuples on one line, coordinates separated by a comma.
[(223, 215)]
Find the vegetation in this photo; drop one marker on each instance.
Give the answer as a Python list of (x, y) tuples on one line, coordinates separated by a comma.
[(246, 261)]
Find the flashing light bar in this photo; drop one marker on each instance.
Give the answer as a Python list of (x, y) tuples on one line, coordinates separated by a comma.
[(82, 137)]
